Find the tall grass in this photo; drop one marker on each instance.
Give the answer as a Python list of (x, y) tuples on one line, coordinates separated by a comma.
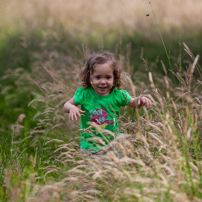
[(159, 159)]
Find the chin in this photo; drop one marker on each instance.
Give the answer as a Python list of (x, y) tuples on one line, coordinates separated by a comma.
[(103, 93)]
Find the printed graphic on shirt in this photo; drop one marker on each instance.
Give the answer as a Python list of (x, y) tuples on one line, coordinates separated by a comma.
[(99, 116)]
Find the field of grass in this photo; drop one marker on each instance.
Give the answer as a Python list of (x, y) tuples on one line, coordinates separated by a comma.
[(43, 46)]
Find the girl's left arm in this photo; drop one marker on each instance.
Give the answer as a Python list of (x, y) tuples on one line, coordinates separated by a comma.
[(139, 102)]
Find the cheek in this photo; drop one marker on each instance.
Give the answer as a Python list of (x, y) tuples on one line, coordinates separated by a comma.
[(111, 82), (93, 81)]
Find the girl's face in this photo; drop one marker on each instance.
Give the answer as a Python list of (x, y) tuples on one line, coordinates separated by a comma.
[(102, 79)]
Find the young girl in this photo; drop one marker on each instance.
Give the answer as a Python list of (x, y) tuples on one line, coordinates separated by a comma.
[(100, 100)]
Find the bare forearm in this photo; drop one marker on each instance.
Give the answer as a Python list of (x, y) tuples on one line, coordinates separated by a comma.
[(134, 103), (67, 107)]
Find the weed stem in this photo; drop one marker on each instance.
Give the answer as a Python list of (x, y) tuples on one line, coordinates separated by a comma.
[(168, 57)]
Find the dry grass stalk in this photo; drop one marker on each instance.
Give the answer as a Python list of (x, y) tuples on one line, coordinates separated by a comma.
[(151, 155)]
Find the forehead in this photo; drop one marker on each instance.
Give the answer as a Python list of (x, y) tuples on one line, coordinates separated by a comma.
[(103, 69)]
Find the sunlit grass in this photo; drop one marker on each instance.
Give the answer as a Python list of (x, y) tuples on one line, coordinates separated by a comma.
[(46, 45), (158, 160), (101, 16)]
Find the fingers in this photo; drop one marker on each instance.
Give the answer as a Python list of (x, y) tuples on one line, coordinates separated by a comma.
[(81, 111), (75, 113), (139, 101), (144, 101), (73, 116), (149, 104)]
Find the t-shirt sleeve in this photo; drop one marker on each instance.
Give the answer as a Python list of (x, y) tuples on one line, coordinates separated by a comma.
[(124, 98), (79, 96)]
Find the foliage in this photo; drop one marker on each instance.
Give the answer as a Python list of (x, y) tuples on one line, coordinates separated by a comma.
[(159, 159)]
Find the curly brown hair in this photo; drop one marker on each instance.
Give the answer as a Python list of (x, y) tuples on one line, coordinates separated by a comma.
[(97, 59)]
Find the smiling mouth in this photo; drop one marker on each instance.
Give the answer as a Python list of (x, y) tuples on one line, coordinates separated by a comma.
[(102, 88)]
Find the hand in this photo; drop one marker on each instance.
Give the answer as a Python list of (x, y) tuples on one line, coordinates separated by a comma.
[(74, 112), (143, 101)]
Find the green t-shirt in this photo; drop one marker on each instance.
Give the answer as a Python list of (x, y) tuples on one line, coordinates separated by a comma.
[(102, 110)]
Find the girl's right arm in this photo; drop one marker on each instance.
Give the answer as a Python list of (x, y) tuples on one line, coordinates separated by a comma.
[(71, 108)]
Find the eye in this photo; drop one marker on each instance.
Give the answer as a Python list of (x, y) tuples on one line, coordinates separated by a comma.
[(97, 77), (109, 77)]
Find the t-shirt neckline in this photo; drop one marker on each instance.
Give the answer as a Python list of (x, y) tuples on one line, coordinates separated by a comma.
[(101, 96)]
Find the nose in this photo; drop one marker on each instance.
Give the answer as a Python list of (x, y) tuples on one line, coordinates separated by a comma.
[(103, 80)]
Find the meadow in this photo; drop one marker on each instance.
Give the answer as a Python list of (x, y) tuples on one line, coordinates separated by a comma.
[(43, 46)]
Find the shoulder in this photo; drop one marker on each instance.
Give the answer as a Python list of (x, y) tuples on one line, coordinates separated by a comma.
[(82, 90), (122, 96), (80, 95), (83, 93), (120, 92)]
